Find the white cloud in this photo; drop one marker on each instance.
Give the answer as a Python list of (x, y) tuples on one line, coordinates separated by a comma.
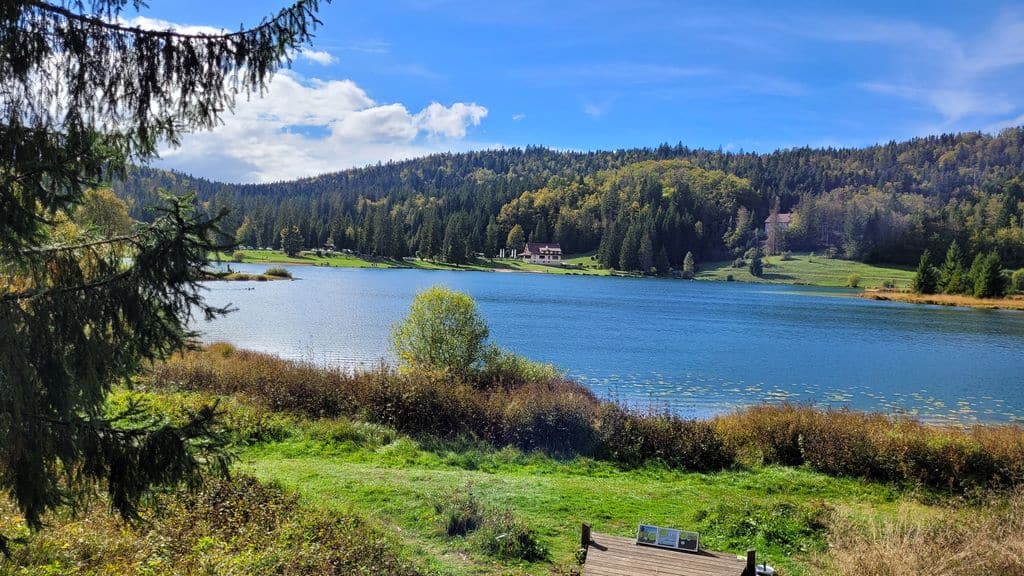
[(321, 57), (518, 117), (957, 78), (308, 127), (597, 109), (450, 122), (147, 23)]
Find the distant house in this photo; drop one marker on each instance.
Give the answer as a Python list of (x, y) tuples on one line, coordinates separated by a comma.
[(785, 219), (540, 253)]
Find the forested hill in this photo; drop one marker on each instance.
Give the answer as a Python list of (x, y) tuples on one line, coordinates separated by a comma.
[(643, 208)]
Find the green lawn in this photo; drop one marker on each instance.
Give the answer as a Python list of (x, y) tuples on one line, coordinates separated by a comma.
[(395, 481), (802, 269), (311, 259), (811, 270), (354, 261)]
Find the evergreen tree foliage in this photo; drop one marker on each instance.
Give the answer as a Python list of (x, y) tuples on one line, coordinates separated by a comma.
[(82, 96), (646, 255), (756, 265), (926, 279), (629, 252), (989, 281), (454, 248), (1017, 281), (291, 241), (661, 262), (882, 203), (951, 274), (690, 266)]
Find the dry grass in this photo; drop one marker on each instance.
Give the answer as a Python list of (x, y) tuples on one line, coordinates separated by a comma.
[(878, 447), (547, 412), (1007, 303), (982, 541)]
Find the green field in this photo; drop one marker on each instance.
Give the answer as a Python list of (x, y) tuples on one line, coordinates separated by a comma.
[(396, 482), (801, 269), (810, 270), (578, 265)]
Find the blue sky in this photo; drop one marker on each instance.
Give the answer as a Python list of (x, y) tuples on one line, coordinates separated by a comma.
[(388, 80)]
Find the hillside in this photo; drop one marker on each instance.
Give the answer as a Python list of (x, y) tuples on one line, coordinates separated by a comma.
[(642, 209)]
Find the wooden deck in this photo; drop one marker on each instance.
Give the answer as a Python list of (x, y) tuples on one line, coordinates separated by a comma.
[(617, 556)]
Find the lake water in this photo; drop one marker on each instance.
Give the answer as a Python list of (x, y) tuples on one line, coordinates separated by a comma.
[(695, 347)]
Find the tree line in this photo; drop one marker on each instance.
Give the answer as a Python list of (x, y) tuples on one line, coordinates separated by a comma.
[(642, 209)]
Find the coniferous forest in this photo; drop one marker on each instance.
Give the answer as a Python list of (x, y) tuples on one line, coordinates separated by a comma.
[(642, 209)]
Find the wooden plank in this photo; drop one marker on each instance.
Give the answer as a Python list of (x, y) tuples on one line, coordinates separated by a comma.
[(617, 556)]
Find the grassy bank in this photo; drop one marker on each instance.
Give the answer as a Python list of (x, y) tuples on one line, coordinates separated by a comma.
[(812, 271), (1007, 303), (405, 473), (575, 265), (800, 269), (271, 274)]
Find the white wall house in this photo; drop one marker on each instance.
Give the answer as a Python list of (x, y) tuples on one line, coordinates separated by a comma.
[(540, 253)]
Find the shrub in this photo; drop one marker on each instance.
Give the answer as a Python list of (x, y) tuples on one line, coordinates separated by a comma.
[(739, 263), (563, 417), (877, 447), (853, 281), (443, 331), (238, 526), (278, 272), (496, 532), (756, 265), (460, 513), (792, 528), (557, 417), (507, 370), (633, 439), (1017, 282), (238, 256), (509, 538)]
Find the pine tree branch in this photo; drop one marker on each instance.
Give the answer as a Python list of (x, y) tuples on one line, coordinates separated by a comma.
[(130, 238), (37, 293), (303, 7)]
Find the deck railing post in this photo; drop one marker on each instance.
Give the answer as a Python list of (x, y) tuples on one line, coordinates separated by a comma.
[(585, 537), (751, 569)]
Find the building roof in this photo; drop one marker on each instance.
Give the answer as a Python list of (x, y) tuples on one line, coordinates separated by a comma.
[(541, 247), (784, 218)]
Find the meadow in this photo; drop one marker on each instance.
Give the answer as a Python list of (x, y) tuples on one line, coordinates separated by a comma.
[(576, 265), (812, 270), (805, 268), (361, 484), (404, 473)]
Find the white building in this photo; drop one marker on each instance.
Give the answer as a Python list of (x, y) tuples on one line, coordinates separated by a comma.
[(540, 253)]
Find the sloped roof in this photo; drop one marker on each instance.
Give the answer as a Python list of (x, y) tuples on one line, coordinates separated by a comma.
[(784, 218), (539, 247)]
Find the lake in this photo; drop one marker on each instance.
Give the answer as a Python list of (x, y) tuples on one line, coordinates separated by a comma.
[(697, 348)]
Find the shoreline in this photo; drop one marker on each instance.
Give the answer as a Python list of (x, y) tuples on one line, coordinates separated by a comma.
[(797, 270), (950, 300)]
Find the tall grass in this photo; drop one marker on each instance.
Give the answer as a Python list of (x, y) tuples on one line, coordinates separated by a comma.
[(238, 526), (978, 542), (538, 409), (878, 447)]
